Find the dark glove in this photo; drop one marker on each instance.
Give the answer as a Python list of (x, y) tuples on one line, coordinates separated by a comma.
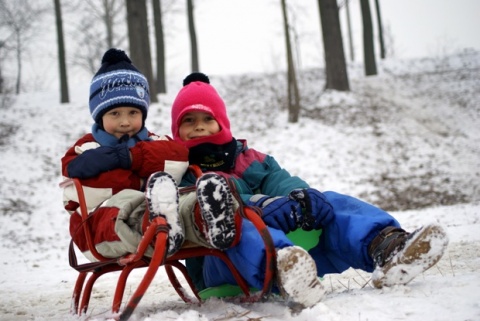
[(95, 161), (282, 213), (316, 209)]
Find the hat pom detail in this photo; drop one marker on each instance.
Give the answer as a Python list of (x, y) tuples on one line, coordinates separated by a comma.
[(196, 76), (113, 56)]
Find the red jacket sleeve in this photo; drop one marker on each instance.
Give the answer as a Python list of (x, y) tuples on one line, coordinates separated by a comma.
[(159, 155)]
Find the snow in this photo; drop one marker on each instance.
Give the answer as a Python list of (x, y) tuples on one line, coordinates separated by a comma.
[(407, 139)]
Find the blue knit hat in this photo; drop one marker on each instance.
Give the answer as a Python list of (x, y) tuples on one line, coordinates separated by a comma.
[(118, 83)]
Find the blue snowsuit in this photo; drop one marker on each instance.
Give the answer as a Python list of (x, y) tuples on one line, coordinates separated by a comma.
[(343, 243)]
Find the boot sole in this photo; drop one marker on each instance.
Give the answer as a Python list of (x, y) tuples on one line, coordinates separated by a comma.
[(162, 199), (297, 278), (216, 208), (420, 253)]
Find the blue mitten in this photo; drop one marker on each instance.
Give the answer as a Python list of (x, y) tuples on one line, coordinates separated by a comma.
[(282, 213), (317, 210), (92, 162)]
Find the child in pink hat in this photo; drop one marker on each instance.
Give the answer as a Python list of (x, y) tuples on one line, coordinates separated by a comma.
[(354, 234)]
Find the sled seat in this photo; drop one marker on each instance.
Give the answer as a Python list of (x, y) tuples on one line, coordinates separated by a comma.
[(157, 234)]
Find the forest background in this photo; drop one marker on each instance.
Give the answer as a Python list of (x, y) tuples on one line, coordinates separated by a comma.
[(232, 37)]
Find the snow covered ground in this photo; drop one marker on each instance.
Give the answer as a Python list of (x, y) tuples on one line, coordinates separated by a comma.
[(407, 140)]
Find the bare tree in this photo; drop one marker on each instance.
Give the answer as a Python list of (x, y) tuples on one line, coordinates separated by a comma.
[(193, 36), (2, 89), (350, 36), (293, 92), (3, 54), (64, 97), (138, 36), (368, 44), (160, 46), (95, 40), (18, 23), (108, 18), (335, 65), (380, 30)]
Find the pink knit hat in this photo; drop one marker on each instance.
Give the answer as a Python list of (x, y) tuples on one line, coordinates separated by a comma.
[(198, 95)]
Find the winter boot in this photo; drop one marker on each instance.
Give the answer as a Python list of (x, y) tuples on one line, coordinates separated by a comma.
[(400, 256), (297, 277), (215, 201), (162, 199)]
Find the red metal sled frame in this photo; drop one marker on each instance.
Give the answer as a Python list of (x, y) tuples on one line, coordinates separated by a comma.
[(156, 233)]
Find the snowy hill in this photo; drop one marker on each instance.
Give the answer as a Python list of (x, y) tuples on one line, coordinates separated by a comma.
[(406, 140)]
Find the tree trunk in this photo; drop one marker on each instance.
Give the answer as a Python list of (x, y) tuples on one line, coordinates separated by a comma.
[(368, 44), (64, 97), (335, 65), (350, 36), (138, 37), (2, 89), (108, 7), (293, 93), (193, 36), (109, 16), (380, 30), (19, 64), (160, 47)]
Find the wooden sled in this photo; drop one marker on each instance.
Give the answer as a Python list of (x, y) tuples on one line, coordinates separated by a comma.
[(157, 234)]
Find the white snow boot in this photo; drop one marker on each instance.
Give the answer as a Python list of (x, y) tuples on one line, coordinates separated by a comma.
[(400, 256), (297, 277), (162, 199)]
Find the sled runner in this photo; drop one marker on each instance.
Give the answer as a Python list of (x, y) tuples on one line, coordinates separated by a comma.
[(157, 234)]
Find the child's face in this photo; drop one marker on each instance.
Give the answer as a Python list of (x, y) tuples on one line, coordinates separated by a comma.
[(197, 124), (122, 120)]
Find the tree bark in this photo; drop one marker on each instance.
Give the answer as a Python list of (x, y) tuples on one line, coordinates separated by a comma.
[(350, 36), (160, 46), (138, 37), (380, 30), (19, 63), (335, 65), (64, 96), (193, 36), (292, 85), (108, 7), (368, 44)]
